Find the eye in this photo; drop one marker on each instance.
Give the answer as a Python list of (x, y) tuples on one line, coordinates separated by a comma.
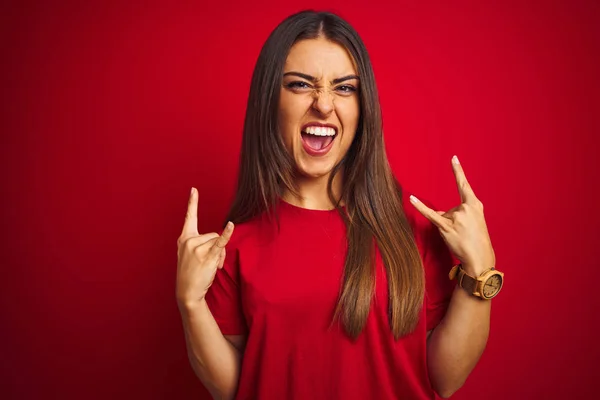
[(346, 89), (297, 85)]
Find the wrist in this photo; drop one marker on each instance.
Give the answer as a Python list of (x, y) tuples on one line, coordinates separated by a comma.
[(189, 306), (475, 270), (483, 283)]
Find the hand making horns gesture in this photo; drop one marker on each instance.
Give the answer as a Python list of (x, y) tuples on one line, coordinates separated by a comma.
[(198, 256), (463, 227)]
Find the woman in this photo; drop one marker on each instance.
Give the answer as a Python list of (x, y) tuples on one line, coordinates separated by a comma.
[(332, 287)]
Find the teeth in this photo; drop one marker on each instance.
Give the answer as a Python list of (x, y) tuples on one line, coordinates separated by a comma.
[(320, 131)]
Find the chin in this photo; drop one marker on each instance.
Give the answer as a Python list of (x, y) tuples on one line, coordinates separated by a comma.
[(313, 175), (314, 171)]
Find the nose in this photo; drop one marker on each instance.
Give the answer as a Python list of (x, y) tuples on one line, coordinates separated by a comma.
[(323, 102)]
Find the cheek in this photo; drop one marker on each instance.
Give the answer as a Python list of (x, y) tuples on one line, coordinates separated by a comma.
[(285, 121), (349, 114), (290, 114), (284, 125), (347, 141)]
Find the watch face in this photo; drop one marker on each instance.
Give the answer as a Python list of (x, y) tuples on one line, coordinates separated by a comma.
[(492, 286)]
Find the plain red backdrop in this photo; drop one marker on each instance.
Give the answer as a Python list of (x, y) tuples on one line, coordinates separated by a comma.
[(111, 111)]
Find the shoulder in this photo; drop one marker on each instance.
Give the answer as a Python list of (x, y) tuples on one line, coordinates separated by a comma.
[(242, 232), (251, 232)]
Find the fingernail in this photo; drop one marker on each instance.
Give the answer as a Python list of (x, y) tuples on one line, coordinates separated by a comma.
[(455, 160), (413, 199), (229, 225), (192, 191)]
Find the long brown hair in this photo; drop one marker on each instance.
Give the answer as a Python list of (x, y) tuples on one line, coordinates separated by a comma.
[(374, 214)]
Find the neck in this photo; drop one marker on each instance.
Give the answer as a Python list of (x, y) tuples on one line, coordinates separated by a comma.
[(313, 192)]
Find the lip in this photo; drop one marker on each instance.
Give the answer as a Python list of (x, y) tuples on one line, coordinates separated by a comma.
[(324, 150)]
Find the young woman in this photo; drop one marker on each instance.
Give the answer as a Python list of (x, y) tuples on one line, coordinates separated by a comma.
[(333, 285)]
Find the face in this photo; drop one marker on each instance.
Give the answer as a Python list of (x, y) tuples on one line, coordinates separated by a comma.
[(319, 105)]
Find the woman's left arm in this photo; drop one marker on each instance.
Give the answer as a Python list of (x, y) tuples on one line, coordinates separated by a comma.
[(456, 344)]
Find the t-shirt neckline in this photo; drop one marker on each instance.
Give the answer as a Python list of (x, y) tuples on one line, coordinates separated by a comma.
[(306, 211)]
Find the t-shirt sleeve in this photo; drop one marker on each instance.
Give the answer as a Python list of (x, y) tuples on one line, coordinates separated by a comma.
[(224, 296), (437, 263)]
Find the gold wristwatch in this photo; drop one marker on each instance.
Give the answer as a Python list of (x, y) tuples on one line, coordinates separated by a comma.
[(486, 286)]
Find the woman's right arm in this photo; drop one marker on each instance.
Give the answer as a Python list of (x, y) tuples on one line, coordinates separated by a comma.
[(214, 358)]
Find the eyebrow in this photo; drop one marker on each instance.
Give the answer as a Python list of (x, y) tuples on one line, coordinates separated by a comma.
[(314, 80)]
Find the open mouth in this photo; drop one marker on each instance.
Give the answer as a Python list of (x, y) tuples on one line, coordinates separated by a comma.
[(317, 141)]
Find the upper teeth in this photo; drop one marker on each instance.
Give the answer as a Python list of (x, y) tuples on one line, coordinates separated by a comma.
[(320, 130)]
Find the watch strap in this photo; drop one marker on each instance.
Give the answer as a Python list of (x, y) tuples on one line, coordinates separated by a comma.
[(466, 281)]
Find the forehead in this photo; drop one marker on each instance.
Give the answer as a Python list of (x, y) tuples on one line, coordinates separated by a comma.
[(319, 57)]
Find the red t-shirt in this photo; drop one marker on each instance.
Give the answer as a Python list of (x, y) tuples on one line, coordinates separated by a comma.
[(281, 290)]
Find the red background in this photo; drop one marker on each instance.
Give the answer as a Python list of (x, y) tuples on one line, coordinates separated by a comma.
[(111, 111)]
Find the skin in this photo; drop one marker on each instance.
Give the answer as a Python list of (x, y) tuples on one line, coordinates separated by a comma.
[(303, 100), (457, 343), (215, 360), (453, 347)]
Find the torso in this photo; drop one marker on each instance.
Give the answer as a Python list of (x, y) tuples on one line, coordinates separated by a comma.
[(289, 283)]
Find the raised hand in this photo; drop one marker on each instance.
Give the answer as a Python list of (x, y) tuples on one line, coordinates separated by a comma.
[(463, 227), (198, 256)]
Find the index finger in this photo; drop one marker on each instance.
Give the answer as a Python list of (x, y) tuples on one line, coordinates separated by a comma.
[(190, 226), (464, 188)]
